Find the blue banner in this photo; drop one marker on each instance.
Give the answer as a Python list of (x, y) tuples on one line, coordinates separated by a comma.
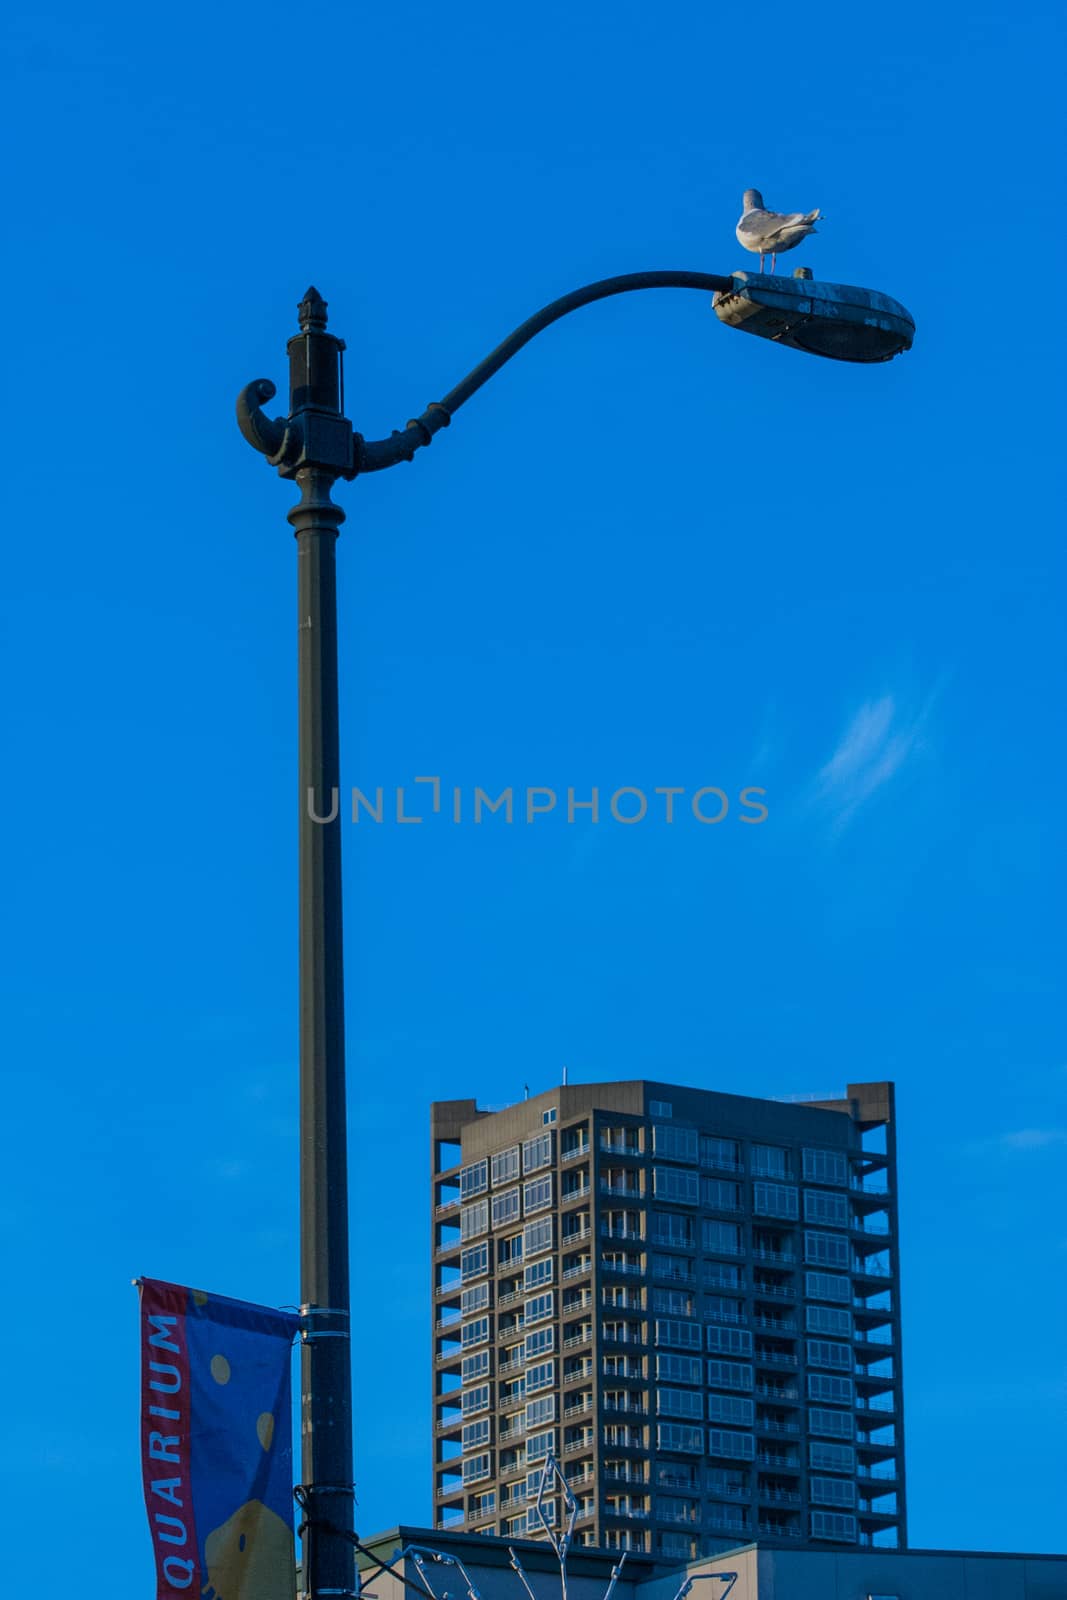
[(217, 1450)]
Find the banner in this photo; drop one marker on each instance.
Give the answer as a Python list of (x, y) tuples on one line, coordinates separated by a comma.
[(216, 1444)]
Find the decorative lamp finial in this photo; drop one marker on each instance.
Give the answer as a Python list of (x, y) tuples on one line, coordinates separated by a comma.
[(312, 312)]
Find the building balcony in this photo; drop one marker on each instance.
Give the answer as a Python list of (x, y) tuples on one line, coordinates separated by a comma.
[(575, 1235), (580, 1270), (578, 1406), (575, 1339), (625, 1475), (580, 1192), (624, 1338), (721, 1524), (774, 1291), (576, 1446), (773, 1458), (513, 1429), (777, 1428), (882, 1514), (449, 1424), (446, 1205), (608, 1232), (786, 1257), (613, 1148), (575, 1153), (687, 1518), (626, 1191), (626, 1268), (780, 1325), (481, 1513), (675, 1272), (509, 1297), (780, 1530), (788, 1497), (627, 1407), (774, 1358)]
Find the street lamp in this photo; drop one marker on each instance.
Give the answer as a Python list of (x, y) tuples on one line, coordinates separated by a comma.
[(315, 445)]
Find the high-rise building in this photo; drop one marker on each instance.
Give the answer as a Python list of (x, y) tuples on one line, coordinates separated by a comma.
[(689, 1298)]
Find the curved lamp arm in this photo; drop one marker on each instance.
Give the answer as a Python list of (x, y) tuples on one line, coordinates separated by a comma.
[(372, 456), (317, 433)]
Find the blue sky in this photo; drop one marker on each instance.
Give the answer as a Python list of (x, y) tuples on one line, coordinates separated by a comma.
[(652, 552)]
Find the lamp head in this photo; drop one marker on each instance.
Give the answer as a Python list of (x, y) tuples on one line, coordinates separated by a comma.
[(835, 320)]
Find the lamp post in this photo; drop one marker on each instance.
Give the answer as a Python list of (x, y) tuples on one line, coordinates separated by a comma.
[(315, 445)]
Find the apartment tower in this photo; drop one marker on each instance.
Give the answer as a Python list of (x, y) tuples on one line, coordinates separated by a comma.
[(690, 1298)]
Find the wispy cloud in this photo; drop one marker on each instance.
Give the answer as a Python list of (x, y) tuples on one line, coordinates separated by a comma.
[(1033, 1138), (877, 742)]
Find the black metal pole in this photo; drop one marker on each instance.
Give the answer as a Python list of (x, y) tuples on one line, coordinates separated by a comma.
[(314, 427)]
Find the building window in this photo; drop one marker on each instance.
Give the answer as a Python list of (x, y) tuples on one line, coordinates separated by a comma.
[(683, 1335), (476, 1468), (735, 1446), (829, 1209), (825, 1286), (537, 1273), (669, 1227), (722, 1308), (775, 1200), (540, 1411), (474, 1299), (834, 1525), (838, 1391), (722, 1275), (680, 1369), (474, 1261), (475, 1332), (660, 1108), (537, 1152), (832, 1491), (770, 1161), (829, 1319), (720, 1194), (722, 1153), (680, 1188), (680, 1403), (730, 1408), (827, 1353), (538, 1445), (834, 1424), (825, 1249), (509, 1251), (474, 1219), (729, 1375), (475, 1366), (679, 1436), (473, 1179), (832, 1457), (540, 1306), (539, 1235), (506, 1165), (476, 1400), (548, 1117), (543, 1376), (505, 1207), (538, 1342), (537, 1194), (672, 1302), (721, 1238), (675, 1144), (825, 1166), (728, 1341)]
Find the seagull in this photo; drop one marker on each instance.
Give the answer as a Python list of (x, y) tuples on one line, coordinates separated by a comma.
[(771, 232)]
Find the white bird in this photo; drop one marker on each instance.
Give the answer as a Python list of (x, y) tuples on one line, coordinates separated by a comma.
[(768, 233)]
